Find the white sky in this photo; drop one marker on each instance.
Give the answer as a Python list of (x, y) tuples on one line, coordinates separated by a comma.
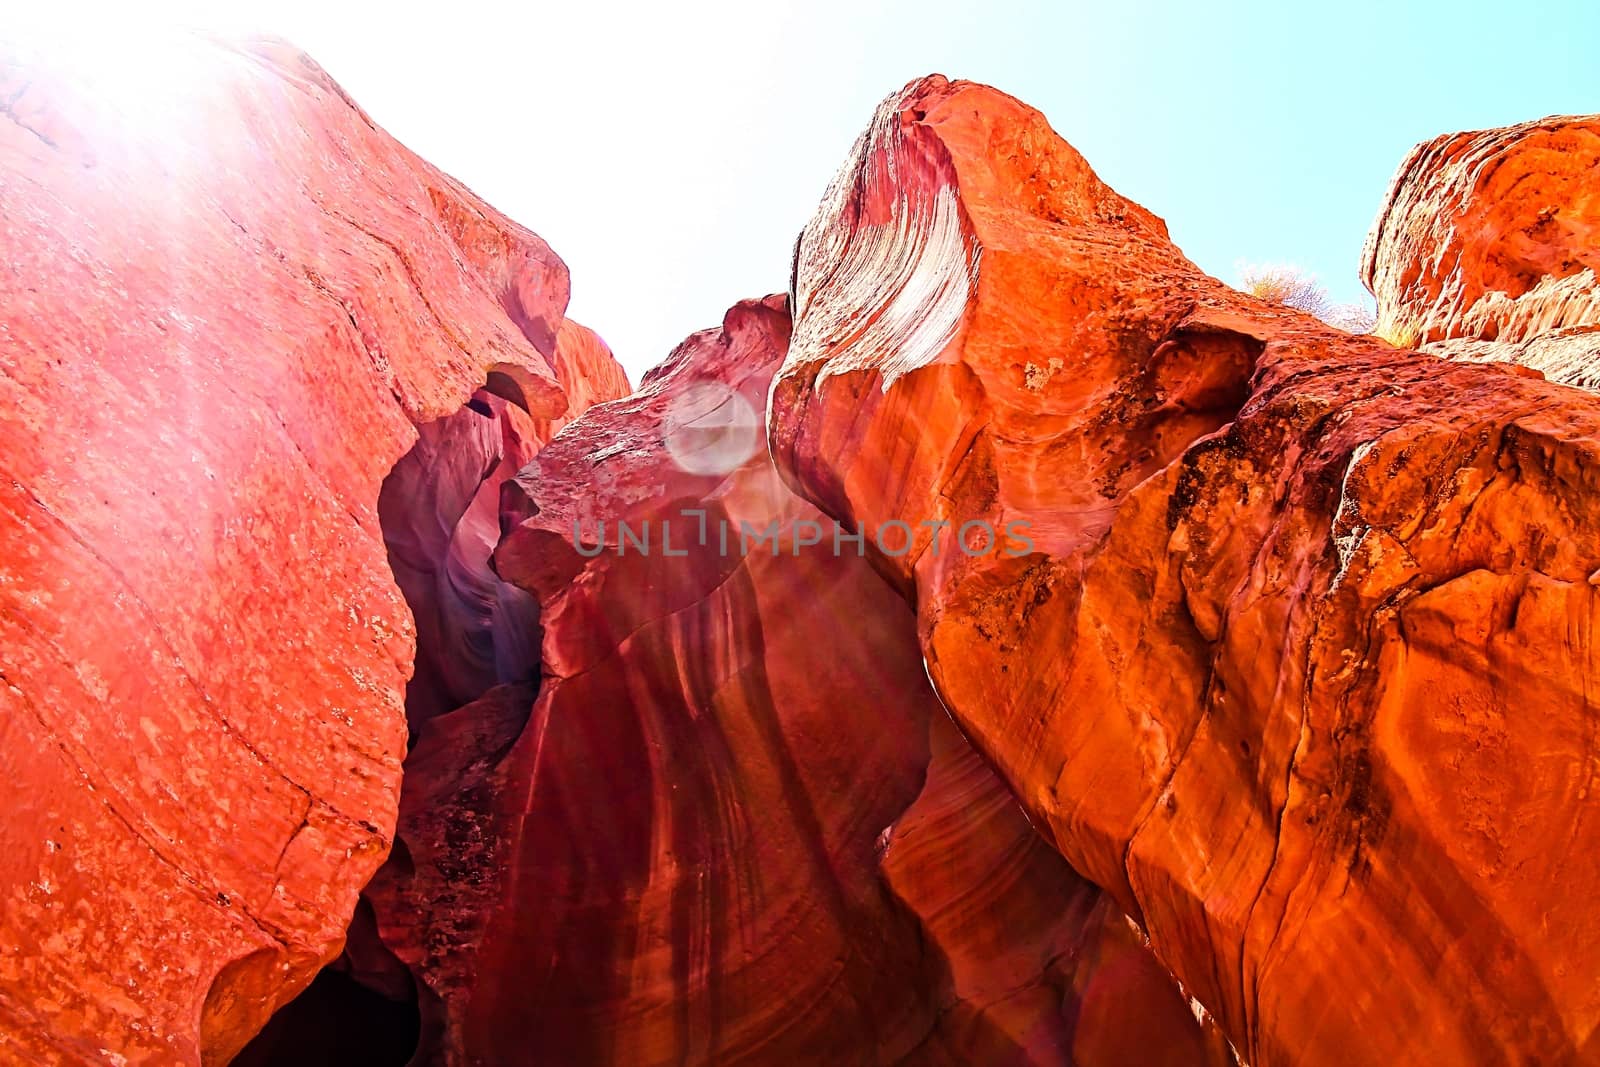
[(671, 151), (669, 154)]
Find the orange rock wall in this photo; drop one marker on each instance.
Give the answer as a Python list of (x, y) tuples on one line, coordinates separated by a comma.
[(1292, 657)]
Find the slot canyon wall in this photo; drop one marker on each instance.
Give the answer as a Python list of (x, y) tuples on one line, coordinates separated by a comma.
[(716, 836), (1294, 660), (1229, 703), (226, 313)]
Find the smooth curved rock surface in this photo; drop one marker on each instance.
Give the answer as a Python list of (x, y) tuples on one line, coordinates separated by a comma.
[(228, 301), (440, 511), (1290, 647), (1487, 247), (734, 826)]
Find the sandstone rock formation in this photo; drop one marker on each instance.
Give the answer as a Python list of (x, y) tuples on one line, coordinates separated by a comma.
[(227, 302), (1487, 247), (734, 826), (1281, 637), (1288, 646)]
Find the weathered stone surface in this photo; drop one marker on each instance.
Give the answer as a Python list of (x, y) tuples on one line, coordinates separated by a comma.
[(1487, 246), (226, 302), (1282, 637), (1042, 967), (734, 826), (1289, 649)]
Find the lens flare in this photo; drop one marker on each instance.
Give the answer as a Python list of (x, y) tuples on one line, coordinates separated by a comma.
[(711, 429)]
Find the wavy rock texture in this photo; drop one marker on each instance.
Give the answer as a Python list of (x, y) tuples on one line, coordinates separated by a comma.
[(229, 300), (734, 826), (440, 511), (1290, 648), (1487, 247)]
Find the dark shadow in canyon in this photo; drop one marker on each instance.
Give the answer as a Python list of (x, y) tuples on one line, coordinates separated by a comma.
[(337, 1022)]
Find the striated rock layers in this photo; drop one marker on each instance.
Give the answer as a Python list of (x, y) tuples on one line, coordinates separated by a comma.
[(734, 825), (227, 302), (1289, 644), (1488, 245)]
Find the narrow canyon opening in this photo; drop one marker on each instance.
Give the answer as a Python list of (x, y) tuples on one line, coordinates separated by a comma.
[(439, 512)]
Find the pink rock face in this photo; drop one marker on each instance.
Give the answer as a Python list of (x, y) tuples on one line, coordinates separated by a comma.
[(734, 826), (1488, 244), (228, 301), (1288, 646)]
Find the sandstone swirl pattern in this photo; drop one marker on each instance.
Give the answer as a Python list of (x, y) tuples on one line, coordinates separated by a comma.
[(1282, 638), (1297, 662)]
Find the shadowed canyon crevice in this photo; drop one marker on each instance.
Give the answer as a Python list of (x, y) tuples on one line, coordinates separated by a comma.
[(706, 804), (477, 637)]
